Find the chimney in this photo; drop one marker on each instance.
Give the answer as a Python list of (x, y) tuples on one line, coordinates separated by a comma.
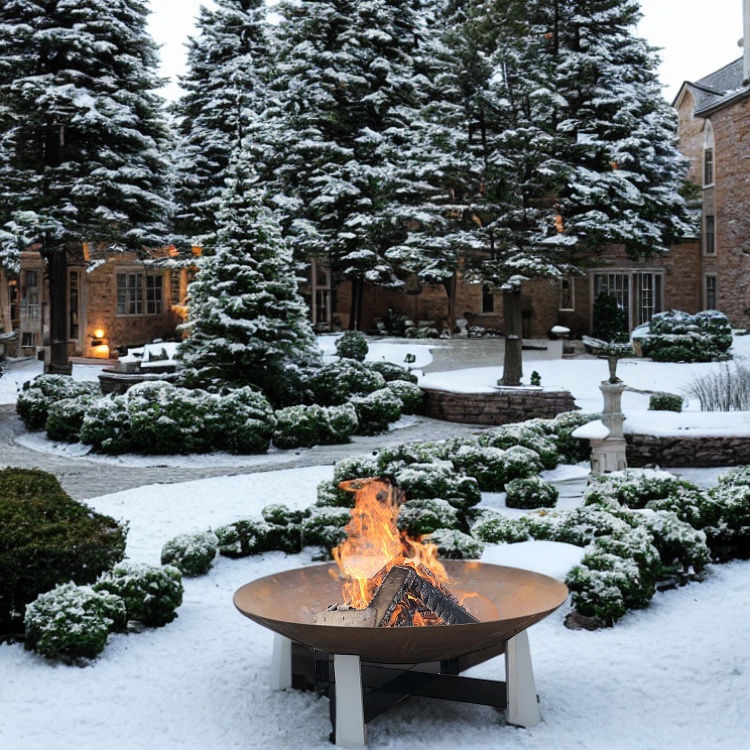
[(746, 41)]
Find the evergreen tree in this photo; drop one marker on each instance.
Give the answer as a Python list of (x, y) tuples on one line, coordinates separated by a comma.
[(225, 91), (248, 323), (351, 79), (81, 136)]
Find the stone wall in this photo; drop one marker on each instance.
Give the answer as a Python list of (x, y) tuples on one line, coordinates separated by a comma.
[(686, 452), (505, 406)]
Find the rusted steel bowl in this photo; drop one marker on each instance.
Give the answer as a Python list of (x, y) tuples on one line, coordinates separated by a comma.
[(508, 601)]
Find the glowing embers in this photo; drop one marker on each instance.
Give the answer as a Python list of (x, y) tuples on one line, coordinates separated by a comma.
[(389, 579)]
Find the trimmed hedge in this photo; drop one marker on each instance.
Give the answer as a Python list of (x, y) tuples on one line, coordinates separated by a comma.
[(47, 538), (38, 395)]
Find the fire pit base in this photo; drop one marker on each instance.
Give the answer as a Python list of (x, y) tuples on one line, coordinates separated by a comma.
[(359, 690)]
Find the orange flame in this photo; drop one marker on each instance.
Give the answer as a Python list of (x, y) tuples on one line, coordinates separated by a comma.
[(374, 544)]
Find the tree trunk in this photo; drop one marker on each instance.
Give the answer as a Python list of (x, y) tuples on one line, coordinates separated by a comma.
[(355, 310), (450, 285), (57, 274), (513, 363)]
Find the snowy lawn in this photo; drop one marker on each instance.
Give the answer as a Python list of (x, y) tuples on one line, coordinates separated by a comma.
[(673, 677)]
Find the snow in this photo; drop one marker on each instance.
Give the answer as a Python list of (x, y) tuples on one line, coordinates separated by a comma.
[(675, 675)]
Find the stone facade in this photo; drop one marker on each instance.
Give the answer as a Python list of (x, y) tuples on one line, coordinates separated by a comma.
[(686, 452), (506, 406)]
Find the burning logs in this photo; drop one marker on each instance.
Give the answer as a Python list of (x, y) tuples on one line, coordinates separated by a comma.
[(408, 585)]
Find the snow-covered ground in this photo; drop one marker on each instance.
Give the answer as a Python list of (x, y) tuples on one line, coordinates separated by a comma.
[(673, 677)]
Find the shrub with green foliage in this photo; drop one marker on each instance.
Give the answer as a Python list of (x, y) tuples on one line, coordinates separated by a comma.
[(47, 538), (376, 410), (676, 336), (729, 535), (665, 402), (65, 418), (352, 345), (72, 621), (252, 537), (282, 515), (393, 372), (571, 450), (455, 545), (494, 527), (106, 426), (411, 396), (533, 435), (336, 383), (423, 516), (324, 526), (151, 593), (242, 422), (38, 395), (439, 479), (304, 426), (530, 492), (191, 554), (609, 319), (485, 463)]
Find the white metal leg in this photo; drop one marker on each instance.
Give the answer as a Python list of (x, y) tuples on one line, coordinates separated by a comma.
[(523, 707), (281, 663), (350, 713)]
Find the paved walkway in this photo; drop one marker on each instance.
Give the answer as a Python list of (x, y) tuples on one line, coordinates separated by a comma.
[(84, 478)]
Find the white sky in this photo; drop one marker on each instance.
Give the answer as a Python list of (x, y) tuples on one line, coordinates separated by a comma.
[(696, 36)]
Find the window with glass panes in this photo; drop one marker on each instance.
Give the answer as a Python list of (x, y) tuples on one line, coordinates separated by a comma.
[(711, 295), (139, 293)]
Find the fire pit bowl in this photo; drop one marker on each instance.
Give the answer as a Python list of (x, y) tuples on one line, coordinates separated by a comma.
[(507, 601)]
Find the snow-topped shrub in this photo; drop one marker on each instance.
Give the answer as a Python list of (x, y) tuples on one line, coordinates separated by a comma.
[(352, 345), (393, 372), (376, 410), (455, 545), (391, 459), (485, 463), (191, 554), (47, 538), (520, 462), (324, 526), (531, 435), (676, 336), (65, 418), (106, 426), (242, 422), (738, 477), (38, 395), (253, 537), (411, 396), (439, 479), (329, 494), (665, 402), (303, 426), (423, 516), (72, 621), (494, 527), (729, 535), (680, 546), (609, 319), (282, 515), (530, 492), (151, 593), (606, 586), (336, 382), (356, 467), (339, 424)]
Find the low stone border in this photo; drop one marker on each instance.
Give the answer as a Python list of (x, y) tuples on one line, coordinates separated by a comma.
[(687, 452), (118, 382), (505, 406)]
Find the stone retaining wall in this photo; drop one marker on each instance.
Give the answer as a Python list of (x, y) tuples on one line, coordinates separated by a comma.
[(505, 406), (686, 452)]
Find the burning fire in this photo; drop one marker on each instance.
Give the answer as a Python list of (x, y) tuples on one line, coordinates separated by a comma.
[(374, 546)]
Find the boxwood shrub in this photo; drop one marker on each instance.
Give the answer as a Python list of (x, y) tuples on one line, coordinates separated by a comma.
[(151, 593), (304, 426), (411, 395), (676, 336), (494, 527), (336, 383), (352, 345), (72, 622), (423, 516), (393, 372), (665, 402), (530, 492), (455, 545), (376, 410), (439, 479), (65, 418), (252, 537), (38, 395), (47, 538), (191, 554)]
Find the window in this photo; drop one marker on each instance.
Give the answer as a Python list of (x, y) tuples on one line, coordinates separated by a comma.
[(31, 308), (709, 235), (175, 293), (488, 299), (708, 154), (139, 294), (639, 293), (708, 167), (567, 293), (710, 292)]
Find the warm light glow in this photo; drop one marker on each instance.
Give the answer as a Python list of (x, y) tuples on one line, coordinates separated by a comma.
[(197, 251), (100, 351), (374, 544), (99, 333)]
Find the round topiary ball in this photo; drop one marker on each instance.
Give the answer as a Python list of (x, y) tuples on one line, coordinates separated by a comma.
[(191, 554), (352, 345), (530, 492)]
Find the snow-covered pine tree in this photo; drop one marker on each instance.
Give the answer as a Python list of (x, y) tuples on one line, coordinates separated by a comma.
[(350, 83), (247, 323), (225, 90), (83, 135)]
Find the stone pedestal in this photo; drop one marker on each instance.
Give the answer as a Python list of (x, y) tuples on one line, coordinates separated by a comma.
[(609, 454)]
